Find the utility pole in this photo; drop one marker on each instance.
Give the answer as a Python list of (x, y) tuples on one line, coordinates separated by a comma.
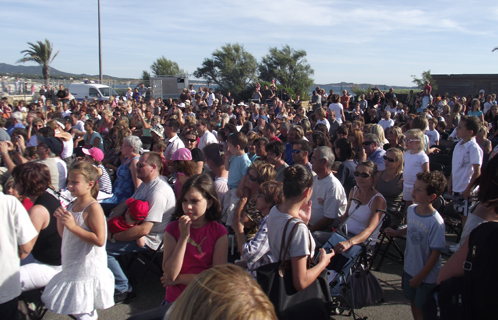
[(100, 50)]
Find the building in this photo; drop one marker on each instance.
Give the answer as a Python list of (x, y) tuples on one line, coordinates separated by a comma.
[(465, 84)]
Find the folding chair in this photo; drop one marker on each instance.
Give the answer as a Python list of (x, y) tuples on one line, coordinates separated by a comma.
[(148, 259), (30, 299)]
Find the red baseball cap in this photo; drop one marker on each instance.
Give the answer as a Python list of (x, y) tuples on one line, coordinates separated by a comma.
[(138, 208)]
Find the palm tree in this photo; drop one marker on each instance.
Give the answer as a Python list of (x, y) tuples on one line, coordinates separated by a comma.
[(41, 53)]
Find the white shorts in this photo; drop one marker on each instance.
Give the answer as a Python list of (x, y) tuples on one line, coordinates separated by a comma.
[(407, 193)]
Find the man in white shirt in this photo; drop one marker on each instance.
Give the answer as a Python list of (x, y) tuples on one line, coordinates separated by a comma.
[(16, 233), (206, 137), (329, 200), (211, 97), (173, 141)]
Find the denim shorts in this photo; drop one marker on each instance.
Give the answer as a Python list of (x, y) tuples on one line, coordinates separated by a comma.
[(418, 295)]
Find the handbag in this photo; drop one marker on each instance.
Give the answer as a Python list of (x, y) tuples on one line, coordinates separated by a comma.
[(275, 279), (365, 289)]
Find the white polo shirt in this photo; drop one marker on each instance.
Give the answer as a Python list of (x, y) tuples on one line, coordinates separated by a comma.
[(464, 156)]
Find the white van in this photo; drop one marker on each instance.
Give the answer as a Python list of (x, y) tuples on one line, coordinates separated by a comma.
[(90, 91)]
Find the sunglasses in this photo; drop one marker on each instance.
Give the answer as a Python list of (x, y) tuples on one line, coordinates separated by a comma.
[(389, 159), (411, 140), (141, 165), (252, 178), (296, 151), (367, 143), (362, 174), (191, 140)]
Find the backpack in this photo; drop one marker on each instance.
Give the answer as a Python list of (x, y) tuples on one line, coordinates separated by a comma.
[(473, 295)]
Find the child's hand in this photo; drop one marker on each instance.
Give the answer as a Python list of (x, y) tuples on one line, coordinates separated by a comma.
[(390, 232), (305, 212), (325, 257), (165, 282), (68, 220), (59, 212), (415, 281), (184, 223)]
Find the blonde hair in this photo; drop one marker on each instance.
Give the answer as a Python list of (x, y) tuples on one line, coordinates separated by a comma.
[(379, 131), (320, 113), (399, 159), (222, 292), (90, 173), (417, 134)]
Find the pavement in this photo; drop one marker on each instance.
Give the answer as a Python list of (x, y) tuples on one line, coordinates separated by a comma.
[(150, 294)]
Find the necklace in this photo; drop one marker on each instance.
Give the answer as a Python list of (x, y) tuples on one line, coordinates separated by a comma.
[(386, 176)]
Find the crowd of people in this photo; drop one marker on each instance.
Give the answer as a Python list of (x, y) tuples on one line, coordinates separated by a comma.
[(90, 181)]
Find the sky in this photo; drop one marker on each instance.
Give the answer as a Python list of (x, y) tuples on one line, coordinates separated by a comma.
[(377, 42)]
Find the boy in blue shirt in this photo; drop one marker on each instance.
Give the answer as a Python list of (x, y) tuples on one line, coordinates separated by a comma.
[(236, 162), (424, 240)]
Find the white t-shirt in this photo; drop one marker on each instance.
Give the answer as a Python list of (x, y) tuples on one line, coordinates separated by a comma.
[(328, 199), (464, 156), (207, 139), (300, 239), (433, 137), (386, 123), (62, 166), (15, 229), (487, 106), (337, 107), (413, 165), (174, 144), (392, 110), (162, 202), (325, 122)]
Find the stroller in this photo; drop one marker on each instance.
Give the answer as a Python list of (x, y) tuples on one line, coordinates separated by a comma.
[(352, 286)]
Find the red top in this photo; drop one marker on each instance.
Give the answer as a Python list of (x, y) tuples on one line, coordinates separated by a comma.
[(28, 204), (199, 252)]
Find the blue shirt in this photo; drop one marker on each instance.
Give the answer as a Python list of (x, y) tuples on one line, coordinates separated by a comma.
[(238, 168), (12, 128), (424, 234), (288, 154), (377, 158)]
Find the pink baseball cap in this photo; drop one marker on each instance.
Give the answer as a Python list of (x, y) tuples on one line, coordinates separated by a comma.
[(95, 153), (182, 154)]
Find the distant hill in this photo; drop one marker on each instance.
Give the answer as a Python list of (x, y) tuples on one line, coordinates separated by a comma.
[(347, 85), (37, 71)]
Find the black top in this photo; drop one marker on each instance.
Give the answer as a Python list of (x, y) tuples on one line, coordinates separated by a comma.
[(197, 155), (47, 248)]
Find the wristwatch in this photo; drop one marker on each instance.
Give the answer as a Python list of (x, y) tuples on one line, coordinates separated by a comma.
[(112, 238)]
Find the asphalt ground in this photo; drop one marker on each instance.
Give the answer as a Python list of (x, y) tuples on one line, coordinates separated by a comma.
[(150, 294)]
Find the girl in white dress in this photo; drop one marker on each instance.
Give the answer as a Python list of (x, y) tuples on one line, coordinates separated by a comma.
[(85, 283)]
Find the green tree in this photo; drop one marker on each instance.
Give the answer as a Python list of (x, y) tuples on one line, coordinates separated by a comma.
[(288, 67), (426, 76), (231, 68), (163, 66), (41, 53), (145, 76)]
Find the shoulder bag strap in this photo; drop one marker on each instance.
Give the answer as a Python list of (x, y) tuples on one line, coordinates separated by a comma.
[(289, 241), (283, 240)]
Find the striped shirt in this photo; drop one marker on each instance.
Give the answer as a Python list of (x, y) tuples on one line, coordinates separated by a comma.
[(256, 252), (105, 184)]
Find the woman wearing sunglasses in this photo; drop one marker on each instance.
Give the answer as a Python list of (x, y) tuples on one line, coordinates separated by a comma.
[(246, 211), (364, 204), (190, 139), (390, 183)]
